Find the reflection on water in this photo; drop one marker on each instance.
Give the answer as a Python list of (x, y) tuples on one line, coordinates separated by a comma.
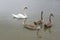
[(39, 33), (48, 29)]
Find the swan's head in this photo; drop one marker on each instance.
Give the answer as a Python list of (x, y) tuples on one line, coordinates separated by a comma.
[(51, 14), (25, 7)]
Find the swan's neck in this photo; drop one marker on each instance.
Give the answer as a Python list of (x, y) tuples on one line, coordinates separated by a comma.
[(25, 14), (24, 21), (41, 16), (50, 18)]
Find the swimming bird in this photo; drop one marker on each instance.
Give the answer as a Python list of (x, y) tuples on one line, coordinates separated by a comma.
[(30, 26), (20, 15), (49, 23), (33, 27), (40, 22)]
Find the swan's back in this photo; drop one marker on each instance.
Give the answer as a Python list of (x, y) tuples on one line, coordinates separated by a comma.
[(31, 27), (14, 15), (19, 15), (22, 16)]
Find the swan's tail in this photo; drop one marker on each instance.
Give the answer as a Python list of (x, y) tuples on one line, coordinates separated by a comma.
[(14, 15)]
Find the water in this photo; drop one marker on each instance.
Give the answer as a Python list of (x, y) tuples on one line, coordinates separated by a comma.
[(12, 29)]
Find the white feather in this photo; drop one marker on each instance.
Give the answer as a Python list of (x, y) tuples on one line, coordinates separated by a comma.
[(19, 16)]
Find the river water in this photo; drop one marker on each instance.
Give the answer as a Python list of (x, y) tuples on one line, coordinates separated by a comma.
[(13, 29)]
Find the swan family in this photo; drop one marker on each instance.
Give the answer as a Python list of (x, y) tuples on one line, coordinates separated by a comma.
[(38, 24)]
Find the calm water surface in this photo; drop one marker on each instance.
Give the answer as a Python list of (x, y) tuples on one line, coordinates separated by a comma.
[(12, 29)]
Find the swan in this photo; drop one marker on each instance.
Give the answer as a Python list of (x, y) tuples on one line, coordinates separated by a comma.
[(49, 23), (31, 26), (20, 15), (40, 22)]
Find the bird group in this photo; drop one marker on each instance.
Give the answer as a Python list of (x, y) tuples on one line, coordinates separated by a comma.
[(37, 25)]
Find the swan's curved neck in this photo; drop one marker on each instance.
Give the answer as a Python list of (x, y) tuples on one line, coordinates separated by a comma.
[(41, 15), (24, 21), (25, 15), (50, 18), (25, 12)]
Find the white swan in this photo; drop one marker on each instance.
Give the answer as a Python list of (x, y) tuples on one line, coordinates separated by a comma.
[(20, 15)]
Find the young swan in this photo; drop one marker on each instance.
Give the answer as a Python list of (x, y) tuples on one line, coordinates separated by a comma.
[(40, 22), (31, 26), (49, 23)]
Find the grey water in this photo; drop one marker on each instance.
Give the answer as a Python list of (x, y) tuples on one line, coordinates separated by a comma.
[(13, 29)]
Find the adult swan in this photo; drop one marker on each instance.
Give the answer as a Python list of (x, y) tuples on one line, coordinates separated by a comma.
[(20, 15)]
